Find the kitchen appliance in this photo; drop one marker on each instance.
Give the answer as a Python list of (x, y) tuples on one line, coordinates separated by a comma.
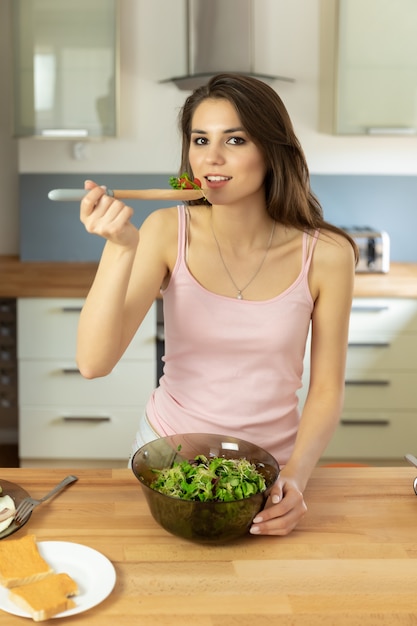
[(374, 249), (219, 38), (160, 339)]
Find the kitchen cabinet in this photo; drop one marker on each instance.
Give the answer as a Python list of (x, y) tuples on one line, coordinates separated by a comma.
[(379, 418), (64, 419), (369, 66), (8, 370), (65, 68)]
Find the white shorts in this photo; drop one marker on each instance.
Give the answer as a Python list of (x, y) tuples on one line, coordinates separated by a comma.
[(145, 434)]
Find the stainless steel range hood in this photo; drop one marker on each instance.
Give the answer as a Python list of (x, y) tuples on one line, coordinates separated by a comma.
[(219, 39)]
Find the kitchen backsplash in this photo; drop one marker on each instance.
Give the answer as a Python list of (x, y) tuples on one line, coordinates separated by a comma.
[(382, 202), (51, 231)]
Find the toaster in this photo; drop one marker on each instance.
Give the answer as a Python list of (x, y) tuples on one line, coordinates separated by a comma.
[(374, 249)]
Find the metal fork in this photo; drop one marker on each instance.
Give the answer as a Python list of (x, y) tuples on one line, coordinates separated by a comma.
[(27, 505)]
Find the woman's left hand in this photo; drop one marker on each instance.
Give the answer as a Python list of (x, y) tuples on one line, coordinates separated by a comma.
[(283, 511)]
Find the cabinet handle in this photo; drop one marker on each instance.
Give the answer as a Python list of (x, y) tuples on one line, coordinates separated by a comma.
[(391, 130), (371, 344), (363, 422), (70, 370), (370, 383), (86, 418), (370, 308), (71, 309)]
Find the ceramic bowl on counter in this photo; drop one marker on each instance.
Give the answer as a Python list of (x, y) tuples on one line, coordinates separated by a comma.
[(211, 521)]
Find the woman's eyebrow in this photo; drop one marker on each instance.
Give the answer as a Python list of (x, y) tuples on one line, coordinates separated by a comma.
[(225, 132)]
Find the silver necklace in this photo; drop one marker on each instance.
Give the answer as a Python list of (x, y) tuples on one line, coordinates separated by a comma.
[(239, 295)]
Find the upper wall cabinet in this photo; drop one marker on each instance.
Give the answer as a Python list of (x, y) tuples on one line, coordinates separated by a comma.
[(369, 66), (65, 68)]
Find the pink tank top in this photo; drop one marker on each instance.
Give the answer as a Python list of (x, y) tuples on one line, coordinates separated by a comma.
[(232, 366)]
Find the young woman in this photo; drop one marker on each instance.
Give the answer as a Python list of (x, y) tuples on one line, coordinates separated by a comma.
[(243, 276)]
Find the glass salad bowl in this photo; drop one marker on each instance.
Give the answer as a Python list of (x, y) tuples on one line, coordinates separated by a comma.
[(194, 511)]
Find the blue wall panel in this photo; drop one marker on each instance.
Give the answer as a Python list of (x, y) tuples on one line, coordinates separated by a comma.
[(51, 231)]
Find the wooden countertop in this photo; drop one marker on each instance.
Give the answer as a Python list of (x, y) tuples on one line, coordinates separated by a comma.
[(44, 280), (400, 282), (59, 280), (352, 560)]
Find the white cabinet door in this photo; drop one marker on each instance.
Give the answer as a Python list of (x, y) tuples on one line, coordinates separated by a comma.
[(388, 390), (371, 317), (65, 68), (63, 415), (374, 59), (49, 382), (373, 435), (62, 432), (379, 417), (47, 329), (387, 352)]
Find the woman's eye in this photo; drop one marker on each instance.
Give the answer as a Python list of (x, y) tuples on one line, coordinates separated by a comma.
[(236, 141), (200, 141)]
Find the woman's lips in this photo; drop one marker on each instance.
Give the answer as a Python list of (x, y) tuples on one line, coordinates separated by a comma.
[(216, 181)]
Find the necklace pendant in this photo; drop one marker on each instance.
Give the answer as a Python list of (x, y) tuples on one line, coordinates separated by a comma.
[(239, 295)]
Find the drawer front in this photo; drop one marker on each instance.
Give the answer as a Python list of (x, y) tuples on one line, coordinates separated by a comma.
[(47, 328), (380, 389), (371, 316), (55, 382), (373, 435), (63, 432), (392, 352)]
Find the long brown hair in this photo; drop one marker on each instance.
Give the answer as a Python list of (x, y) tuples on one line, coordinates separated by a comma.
[(289, 198)]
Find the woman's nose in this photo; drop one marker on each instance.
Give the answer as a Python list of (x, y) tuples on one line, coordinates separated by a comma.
[(214, 154)]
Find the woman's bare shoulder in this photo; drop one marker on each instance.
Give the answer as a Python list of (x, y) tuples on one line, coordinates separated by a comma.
[(334, 247), (333, 265), (160, 218)]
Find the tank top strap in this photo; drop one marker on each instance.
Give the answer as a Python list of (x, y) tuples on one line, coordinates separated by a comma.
[(309, 243), (182, 232)]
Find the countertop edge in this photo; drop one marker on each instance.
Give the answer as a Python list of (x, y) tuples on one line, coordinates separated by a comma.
[(27, 279)]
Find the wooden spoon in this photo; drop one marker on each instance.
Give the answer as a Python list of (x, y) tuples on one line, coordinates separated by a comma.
[(76, 195)]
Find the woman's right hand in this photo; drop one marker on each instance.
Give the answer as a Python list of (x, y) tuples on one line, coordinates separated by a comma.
[(108, 217)]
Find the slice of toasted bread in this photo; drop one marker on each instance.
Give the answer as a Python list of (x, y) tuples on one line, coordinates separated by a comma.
[(20, 562), (47, 597)]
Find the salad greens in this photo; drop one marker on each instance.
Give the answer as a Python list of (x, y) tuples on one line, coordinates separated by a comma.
[(184, 182), (205, 480)]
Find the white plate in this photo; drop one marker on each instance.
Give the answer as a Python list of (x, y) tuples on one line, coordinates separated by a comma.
[(91, 570)]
